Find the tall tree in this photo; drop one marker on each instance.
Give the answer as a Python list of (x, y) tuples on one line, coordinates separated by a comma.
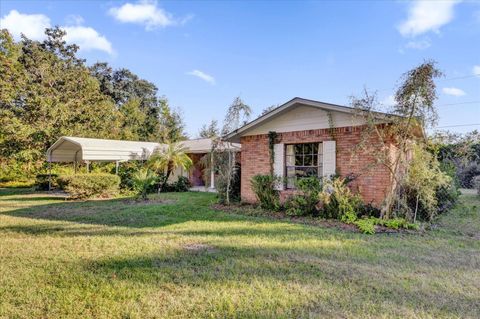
[(413, 111), (224, 153), (122, 86), (172, 126), (238, 114), (57, 97), (209, 131)]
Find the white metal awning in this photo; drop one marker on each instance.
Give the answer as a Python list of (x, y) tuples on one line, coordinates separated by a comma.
[(77, 149), (69, 149)]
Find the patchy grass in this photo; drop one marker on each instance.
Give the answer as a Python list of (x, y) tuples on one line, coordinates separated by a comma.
[(179, 258)]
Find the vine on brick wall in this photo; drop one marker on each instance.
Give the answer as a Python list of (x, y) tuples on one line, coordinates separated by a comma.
[(331, 125)]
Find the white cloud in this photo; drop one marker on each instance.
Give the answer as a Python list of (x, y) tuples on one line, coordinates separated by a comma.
[(453, 91), (31, 25), (34, 25), (202, 75), (476, 70), (146, 13), (419, 45), (425, 16), (74, 19), (87, 39)]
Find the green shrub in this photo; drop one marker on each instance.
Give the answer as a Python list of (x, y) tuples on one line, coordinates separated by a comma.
[(126, 170), (42, 181), (338, 201), (181, 185), (142, 182), (305, 202), (295, 205), (264, 188), (82, 186), (366, 226)]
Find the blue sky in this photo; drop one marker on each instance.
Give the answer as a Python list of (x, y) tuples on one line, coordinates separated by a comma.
[(201, 55)]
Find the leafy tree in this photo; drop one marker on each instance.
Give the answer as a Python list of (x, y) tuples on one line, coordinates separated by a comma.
[(172, 126), (209, 131), (224, 154), (132, 121), (123, 86), (51, 95), (166, 160), (413, 111), (238, 115)]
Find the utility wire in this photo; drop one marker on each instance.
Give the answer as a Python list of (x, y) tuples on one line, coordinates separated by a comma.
[(474, 124)]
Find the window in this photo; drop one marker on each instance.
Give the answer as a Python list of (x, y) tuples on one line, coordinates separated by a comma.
[(303, 160)]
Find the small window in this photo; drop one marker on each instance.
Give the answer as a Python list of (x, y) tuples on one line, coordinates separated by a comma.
[(303, 160)]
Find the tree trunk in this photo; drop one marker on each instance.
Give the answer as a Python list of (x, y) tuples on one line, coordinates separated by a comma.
[(416, 209)]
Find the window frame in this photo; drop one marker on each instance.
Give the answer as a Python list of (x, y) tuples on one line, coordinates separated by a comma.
[(319, 166)]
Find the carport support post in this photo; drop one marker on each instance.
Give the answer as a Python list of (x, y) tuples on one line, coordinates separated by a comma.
[(49, 176), (212, 172), (117, 163), (88, 166)]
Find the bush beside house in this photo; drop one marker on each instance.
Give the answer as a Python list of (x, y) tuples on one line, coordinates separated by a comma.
[(81, 186)]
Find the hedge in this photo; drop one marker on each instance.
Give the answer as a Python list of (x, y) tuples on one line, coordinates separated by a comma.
[(82, 186)]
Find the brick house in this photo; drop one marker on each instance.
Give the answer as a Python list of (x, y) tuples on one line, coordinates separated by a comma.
[(313, 139)]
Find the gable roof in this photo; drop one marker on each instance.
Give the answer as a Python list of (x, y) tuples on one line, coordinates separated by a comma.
[(235, 135)]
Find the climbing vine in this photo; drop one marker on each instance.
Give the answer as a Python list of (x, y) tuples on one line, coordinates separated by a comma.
[(272, 139), (331, 125)]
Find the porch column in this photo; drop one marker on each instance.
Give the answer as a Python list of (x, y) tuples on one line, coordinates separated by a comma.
[(117, 164), (212, 172)]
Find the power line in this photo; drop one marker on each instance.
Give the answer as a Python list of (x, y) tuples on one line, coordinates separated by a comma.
[(459, 103), (459, 125), (461, 77)]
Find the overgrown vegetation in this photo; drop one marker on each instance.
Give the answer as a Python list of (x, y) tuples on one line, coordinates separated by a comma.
[(306, 200), (81, 186), (264, 188)]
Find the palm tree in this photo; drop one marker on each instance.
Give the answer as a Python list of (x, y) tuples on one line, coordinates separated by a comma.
[(168, 159)]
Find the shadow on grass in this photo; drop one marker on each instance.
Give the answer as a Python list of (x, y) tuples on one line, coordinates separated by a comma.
[(355, 282)]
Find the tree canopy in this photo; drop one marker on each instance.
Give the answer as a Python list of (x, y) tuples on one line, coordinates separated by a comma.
[(48, 91)]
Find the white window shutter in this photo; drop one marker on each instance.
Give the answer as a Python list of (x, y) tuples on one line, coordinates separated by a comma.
[(329, 156), (278, 163)]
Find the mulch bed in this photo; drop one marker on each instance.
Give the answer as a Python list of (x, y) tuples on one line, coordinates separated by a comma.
[(251, 210)]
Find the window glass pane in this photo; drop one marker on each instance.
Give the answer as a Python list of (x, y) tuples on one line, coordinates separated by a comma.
[(315, 148), (290, 160), (308, 160), (290, 150), (299, 160), (315, 160), (298, 149), (307, 149)]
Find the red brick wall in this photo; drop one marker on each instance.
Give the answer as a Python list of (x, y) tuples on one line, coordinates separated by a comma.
[(372, 181)]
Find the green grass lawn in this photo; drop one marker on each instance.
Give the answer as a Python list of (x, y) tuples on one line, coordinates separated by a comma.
[(180, 258)]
